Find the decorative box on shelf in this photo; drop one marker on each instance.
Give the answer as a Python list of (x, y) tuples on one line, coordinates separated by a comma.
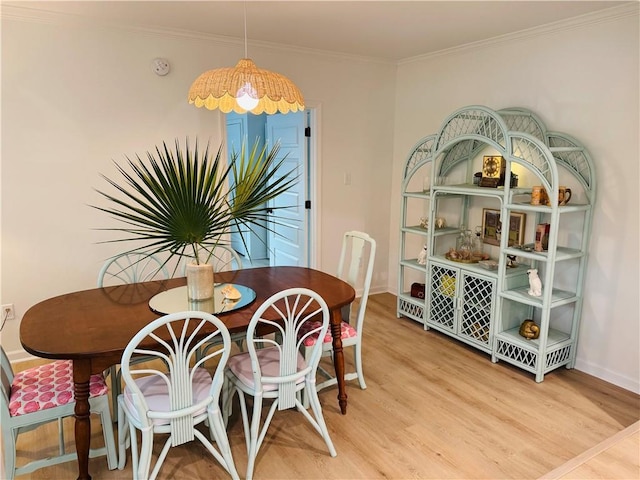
[(417, 290)]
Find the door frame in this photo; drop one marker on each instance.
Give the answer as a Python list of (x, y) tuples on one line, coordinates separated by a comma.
[(314, 169), (314, 172)]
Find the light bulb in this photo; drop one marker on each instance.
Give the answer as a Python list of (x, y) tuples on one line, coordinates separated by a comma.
[(247, 97)]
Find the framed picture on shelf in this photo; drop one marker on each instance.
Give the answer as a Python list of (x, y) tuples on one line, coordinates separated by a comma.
[(492, 228)]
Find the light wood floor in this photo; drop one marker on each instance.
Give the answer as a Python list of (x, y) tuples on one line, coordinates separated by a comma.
[(434, 409), (615, 457)]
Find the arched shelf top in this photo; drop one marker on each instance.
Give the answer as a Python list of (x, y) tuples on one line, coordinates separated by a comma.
[(472, 123), (532, 153), (420, 154), (516, 133), (522, 120), (573, 156)]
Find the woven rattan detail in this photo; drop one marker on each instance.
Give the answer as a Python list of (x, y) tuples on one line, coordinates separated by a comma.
[(518, 121), (558, 357), (517, 354), (572, 155), (474, 122), (411, 310), (442, 299), (220, 88), (530, 151), (476, 318), (421, 153)]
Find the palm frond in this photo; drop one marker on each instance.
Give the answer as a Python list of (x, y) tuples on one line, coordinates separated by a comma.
[(179, 201)]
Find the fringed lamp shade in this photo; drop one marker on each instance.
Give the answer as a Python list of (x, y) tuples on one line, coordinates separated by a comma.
[(221, 88)]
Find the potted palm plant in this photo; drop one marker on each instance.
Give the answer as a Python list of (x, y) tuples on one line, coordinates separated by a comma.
[(181, 201)]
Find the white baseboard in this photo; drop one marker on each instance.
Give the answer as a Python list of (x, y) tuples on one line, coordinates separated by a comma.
[(380, 289), (17, 356), (631, 384)]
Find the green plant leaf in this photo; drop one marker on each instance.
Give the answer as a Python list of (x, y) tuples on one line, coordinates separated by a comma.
[(178, 201)]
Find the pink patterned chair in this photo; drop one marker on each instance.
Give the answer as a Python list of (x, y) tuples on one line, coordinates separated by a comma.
[(356, 268), (41, 395)]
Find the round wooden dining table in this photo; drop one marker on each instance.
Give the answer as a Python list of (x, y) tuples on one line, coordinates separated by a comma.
[(93, 327)]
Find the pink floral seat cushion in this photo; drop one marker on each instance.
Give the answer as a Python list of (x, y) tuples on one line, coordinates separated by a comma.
[(48, 386), (346, 331)]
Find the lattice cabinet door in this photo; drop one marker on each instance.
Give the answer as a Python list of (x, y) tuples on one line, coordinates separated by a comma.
[(443, 297), (477, 305)]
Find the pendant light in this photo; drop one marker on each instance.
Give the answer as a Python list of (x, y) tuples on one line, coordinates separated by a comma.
[(245, 88)]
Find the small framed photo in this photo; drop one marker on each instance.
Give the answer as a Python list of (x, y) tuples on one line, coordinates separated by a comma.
[(492, 228)]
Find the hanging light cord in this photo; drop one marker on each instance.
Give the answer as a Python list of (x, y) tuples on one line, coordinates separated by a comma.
[(244, 4)]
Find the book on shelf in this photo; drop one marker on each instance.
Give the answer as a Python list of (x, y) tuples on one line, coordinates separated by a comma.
[(542, 237)]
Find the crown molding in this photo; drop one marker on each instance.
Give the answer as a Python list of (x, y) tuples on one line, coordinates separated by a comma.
[(603, 16), (21, 13), (18, 12)]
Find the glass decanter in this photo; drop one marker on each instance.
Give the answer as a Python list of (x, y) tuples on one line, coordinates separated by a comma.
[(478, 244), (464, 245)]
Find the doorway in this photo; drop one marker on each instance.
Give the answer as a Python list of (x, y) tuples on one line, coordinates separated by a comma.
[(285, 240)]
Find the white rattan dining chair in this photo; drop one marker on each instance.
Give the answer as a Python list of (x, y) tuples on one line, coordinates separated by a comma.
[(124, 269), (173, 393), (131, 268), (43, 394), (356, 268), (273, 367)]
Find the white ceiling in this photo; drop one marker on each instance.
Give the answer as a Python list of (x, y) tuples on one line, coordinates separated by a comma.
[(388, 30)]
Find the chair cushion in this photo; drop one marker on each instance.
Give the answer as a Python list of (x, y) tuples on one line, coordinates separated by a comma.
[(269, 359), (156, 394), (346, 331), (48, 386)]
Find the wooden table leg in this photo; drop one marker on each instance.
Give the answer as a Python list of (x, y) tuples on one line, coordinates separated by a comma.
[(81, 377), (338, 359)]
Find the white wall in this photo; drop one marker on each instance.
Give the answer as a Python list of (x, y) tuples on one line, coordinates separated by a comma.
[(581, 80), (77, 96)]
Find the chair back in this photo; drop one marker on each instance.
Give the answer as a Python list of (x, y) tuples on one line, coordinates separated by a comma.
[(284, 313), (132, 268), (170, 343), (222, 257), (6, 375), (357, 247)]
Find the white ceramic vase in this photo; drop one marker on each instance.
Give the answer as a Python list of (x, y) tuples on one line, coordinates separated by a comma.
[(199, 282)]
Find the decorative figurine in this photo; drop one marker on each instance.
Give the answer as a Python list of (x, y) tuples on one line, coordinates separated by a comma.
[(529, 330), (535, 285), (511, 261), (424, 223), (422, 256), (441, 222)]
